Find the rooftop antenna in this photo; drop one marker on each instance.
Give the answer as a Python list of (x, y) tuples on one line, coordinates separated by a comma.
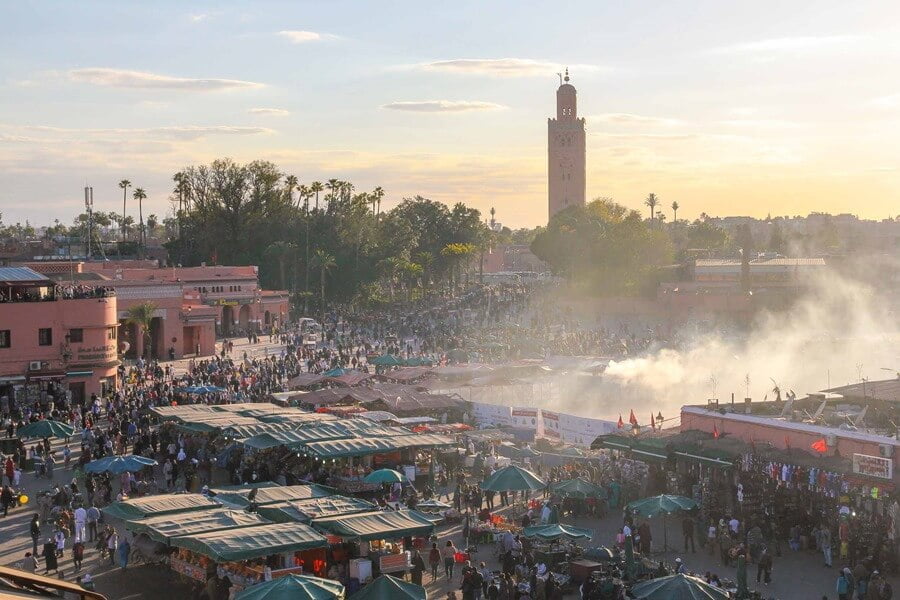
[(560, 78)]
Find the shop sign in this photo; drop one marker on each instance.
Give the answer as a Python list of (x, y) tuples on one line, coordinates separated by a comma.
[(873, 466), (91, 353)]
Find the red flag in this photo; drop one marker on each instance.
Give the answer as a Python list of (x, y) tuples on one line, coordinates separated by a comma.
[(652, 422), (715, 432), (632, 419), (820, 445), (621, 423)]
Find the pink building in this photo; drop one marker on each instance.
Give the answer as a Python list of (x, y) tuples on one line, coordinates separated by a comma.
[(194, 305), (54, 341)]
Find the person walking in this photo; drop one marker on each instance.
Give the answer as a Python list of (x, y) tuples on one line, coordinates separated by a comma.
[(35, 530), (449, 553), (78, 553), (30, 564), (711, 537), (842, 587), (93, 517), (50, 560), (6, 499), (825, 543), (687, 530), (418, 567), (434, 560), (764, 566)]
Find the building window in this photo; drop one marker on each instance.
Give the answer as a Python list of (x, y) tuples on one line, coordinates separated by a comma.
[(5, 339), (45, 336), (76, 335), (111, 333)]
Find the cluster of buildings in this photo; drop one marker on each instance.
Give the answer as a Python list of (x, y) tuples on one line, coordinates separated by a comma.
[(65, 325)]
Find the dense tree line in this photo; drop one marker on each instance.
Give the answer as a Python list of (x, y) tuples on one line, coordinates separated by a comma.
[(321, 240)]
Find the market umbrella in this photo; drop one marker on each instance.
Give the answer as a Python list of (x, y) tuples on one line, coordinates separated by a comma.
[(386, 360), (677, 587), (384, 476), (46, 429), (390, 587), (432, 506), (335, 372), (663, 505), (578, 488), (418, 362), (294, 587), (119, 464), (512, 478), (557, 531)]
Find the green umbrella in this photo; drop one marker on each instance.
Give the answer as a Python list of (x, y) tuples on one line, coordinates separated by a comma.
[(46, 429), (294, 587), (512, 478), (677, 587), (557, 531), (578, 488), (386, 360), (119, 464), (660, 505), (390, 587), (663, 505), (384, 476)]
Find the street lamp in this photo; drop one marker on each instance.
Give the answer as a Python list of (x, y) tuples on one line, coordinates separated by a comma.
[(659, 420)]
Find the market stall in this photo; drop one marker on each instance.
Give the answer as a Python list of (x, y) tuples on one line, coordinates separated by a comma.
[(244, 554), (241, 498), (164, 528), (304, 511), (150, 506)]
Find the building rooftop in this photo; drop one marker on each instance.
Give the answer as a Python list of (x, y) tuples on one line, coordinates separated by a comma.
[(886, 389), (20, 275), (772, 262)]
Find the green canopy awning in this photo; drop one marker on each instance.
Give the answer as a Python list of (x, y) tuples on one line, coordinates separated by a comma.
[(557, 531), (164, 504), (512, 478), (578, 488), (246, 431), (374, 445), (270, 495), (165, 527), (252, 542), (297, 436), (45, 429), (377, 526), (304, 511), (294, 587), (390, 587), (386, 360), (677, 587)]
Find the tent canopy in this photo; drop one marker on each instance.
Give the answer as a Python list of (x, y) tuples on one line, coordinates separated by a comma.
[(296, 436), (163, 504), (512, 478), (677, 587), (294, 587), (45, 429), (374, 445), (233, 545), (578, 488), (304, 511), (119, 464), (377, 525), (557, 531), (165, 527), (390, 587), (271, 495), (660, 505)]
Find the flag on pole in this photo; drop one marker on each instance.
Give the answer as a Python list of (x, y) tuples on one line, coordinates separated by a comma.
[(652, 422), (715, 432), (820, 445), (621, 423), (632, 419)]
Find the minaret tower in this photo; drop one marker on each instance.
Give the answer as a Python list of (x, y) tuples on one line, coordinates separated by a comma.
[(566, 152)]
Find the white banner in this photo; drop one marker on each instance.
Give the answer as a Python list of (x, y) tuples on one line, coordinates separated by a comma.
[(551, 424), (527, 418), (491, 414), (582, 431), (873, 466)]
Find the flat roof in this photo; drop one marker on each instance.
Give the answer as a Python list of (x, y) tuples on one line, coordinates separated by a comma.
[(771, 262), (885, 389), (21, 275)]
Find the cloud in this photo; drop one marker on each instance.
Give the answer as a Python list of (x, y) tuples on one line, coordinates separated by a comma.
[(296, 36), (504, 67), (185, 132), (198, 17), (632, 119), (789, 45), (891, 101), (442, 106), (269, 112), (123, 78)]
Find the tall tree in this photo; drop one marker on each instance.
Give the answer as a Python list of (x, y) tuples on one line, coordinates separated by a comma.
[(140, 195), (324, 262), (316, 187), (124, 185), (141, 316), (651, 202), (675, 208)]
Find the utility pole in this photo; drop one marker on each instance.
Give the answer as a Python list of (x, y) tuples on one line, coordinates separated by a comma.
[(88, 209)]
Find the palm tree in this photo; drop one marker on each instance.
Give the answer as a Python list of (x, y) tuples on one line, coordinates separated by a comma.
[(140, 195), (651, 201), (290, 184), (425, 259), (316, 187), (675, 208), (141, 316), (333, 186), (324, 262), (456, 253), (377, 195), (281, 251), (124, 185)]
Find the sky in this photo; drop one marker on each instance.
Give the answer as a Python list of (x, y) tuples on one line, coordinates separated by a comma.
[(728, 108)]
